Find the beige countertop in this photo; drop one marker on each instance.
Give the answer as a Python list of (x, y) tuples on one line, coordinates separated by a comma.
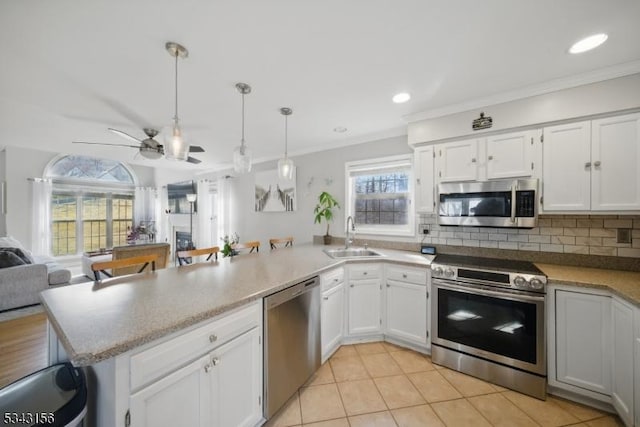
[(99, 320), (625, 284)]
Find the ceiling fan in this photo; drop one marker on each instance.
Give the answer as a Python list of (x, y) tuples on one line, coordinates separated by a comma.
[(177, 148), (149, 148)]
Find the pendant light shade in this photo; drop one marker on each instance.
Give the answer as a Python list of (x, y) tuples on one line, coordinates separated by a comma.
[(242, 154), (176, 146), (285, 165)]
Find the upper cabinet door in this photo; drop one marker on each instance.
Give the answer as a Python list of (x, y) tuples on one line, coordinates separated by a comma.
[(510, 155), (566, 165), (615, 157), (458, 161), (423, 166)]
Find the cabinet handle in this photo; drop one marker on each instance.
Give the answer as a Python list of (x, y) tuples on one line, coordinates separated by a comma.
[(404, 275), (215, 361), (388, 285), (364, 273), (587, 165), (213, 338), (207, 368), (335, 280), (473, 160), (325, 298), (597, 163), (490, 157), (352, 285)]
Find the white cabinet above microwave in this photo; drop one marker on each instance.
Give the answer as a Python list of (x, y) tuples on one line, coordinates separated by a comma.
[(507, 155)]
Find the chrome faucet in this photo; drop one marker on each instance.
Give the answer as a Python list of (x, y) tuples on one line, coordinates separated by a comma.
[(348, 240)]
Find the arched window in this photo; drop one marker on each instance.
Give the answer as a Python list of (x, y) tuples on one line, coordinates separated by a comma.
[(92, 203)]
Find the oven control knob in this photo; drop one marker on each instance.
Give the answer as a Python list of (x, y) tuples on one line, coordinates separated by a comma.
[(536, 284), (520, 282), (448, 273), (437, 271)]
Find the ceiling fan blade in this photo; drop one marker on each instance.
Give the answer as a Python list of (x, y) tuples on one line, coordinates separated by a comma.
[(125, 135), (193, 160), (102, 143), (196, 149)]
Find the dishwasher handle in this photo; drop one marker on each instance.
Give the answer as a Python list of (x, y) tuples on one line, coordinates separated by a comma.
[(291, 292)]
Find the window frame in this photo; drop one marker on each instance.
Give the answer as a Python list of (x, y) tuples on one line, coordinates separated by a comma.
[(392, 163)]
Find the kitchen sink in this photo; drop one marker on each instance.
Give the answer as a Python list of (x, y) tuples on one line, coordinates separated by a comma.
[(351, 253)]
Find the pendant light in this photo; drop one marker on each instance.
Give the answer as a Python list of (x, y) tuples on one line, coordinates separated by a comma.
[(175, 147), (285, 165), (241, 154)]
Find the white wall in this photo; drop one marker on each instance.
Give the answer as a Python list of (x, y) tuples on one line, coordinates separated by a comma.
[(316, 172), (23, 163), (597, 98), (3, 179)]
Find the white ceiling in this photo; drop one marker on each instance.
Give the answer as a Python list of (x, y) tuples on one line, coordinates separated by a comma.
[(70, 69)]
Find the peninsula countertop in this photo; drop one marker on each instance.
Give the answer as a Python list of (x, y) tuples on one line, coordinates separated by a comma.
[(98, 320)]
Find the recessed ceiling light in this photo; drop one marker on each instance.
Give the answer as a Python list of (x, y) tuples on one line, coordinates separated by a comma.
[(340, 129), (401, 97), (588, 43)]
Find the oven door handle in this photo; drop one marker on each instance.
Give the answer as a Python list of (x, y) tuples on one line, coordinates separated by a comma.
[(486, 292), (514, 187)]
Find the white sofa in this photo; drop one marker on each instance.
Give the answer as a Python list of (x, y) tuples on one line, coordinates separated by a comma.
[(21, 285)]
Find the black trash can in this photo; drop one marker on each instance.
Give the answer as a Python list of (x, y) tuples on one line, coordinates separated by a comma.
[(55, 397)]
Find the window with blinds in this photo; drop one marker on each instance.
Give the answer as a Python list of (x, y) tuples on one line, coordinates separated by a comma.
[(380, 195)]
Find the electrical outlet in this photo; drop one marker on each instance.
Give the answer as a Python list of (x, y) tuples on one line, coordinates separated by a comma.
[(624, 235)]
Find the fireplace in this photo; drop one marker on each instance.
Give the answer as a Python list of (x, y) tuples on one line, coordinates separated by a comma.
[(183, 241)]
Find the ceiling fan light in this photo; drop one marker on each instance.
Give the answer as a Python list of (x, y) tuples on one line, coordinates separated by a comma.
[(242, 159), (285, 168)]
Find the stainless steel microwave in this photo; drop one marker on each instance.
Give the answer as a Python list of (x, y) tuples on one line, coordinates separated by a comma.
[(502, 203)]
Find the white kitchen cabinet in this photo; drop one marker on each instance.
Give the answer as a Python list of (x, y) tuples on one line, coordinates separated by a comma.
[(622, 360), (457, 161), (181, 398), (582, 342), (566, 176), (636, 367), (407, 308), (222, 388), (425, 186), (207, 375), (332, 324), (364, 296), (236, 381), (615, 159), (510, 155), (592, 165)]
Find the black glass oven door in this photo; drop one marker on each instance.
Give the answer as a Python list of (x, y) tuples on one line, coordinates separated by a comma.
[(504, 327)]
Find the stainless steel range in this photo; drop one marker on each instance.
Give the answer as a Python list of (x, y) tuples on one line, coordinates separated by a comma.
[(488, 320)]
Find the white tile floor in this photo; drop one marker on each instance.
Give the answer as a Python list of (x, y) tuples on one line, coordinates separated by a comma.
[(380, 385)]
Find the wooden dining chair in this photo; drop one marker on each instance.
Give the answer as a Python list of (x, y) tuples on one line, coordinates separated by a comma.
[(288, 241), (255, 244), (183, 256), (143, 260)]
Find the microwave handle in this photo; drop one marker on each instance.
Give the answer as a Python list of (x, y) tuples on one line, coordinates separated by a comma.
[(514, 187)]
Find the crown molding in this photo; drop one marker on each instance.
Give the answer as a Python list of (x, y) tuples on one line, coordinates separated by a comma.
[(602, 74)]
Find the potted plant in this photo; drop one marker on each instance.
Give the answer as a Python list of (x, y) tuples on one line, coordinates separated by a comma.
[(324, 209)]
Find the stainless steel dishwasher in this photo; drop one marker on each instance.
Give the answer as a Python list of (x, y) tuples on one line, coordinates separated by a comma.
[(292, 341)]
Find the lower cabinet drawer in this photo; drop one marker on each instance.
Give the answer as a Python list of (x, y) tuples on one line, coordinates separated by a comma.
[(165, 357), (407, 274), (364, 271), (331, 279)]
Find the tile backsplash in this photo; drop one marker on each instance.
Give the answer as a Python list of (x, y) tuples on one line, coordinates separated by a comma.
[(569, 234)]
